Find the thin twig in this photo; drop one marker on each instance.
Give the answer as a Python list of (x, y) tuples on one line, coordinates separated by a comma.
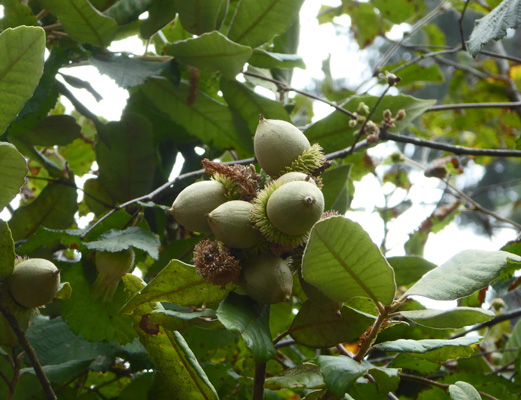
[(443, 107), (22, 339), (501, 56), (501, 185), (500, 318), (281, 336), (283, 86), (78, 105), (443, 386), (460, 22)]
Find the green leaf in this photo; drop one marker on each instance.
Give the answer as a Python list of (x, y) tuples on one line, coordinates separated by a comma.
[(305, 376), (178, 283), (126, 157), (117, 240), (52, 130), (266, 59), (211, 52), (405, 361), (14, 169), (336, 188), (340, 373), (21, 67), (174, 360), (462, 275), (125, 12), (15, 14), (408, 269), (55, 343), (398, 11), (319, 325), (7, 255), (127, 71), (494, 25), (250, 104), (54, 208), (207, 119), (251, 320), (342, 261), (159, 15), (82, 21), (463, 391), (446, 319), (177, 321), (61, 372), (414, 74), (513, 342), (200, 16), (89, 317), (333, 132), (257, 21), (431, 349)]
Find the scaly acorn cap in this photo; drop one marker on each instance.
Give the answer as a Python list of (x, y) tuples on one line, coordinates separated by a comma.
[(277, 144), (267, 279), (230, 223), (195, 201), (34, 282), (309, 161)]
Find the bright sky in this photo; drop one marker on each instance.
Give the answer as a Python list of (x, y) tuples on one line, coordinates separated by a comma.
[(350, 64)]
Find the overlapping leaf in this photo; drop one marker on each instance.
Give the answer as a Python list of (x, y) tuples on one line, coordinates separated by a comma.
[(13, 170), (445, 319), (21, 67), (118, 240), (341, 260), (7, 254)]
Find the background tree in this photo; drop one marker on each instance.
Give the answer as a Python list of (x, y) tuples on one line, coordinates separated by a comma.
[(448, 89)]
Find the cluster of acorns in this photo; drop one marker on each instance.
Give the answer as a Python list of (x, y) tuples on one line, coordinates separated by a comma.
[(256, 227)]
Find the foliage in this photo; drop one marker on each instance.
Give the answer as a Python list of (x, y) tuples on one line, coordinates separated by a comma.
[(354, 326)]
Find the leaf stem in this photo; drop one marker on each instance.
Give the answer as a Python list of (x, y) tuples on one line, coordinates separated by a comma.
[(258, 380), (22, 339), (369, 339)]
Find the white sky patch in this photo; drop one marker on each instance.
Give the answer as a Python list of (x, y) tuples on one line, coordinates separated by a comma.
[(178, 165), (1, 11)]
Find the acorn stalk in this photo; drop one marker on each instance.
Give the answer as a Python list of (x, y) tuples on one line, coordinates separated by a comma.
[(111, 267)]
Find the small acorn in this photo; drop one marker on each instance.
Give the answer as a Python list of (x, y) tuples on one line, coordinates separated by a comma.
[(111, 266), (34, 282), (277, 144), (267, 279), (296, 176), (295, 207), (195, 201), (230, 222)]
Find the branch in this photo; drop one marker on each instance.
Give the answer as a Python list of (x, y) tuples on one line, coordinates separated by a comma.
[(500, 318), (438, 384), (282, 86), (502, 56), (460, 23), (442, 107), (258, 381), (22, 339), (458, 150)]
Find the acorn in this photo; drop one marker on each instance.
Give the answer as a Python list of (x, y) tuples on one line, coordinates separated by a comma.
[(295, 207), (34, 282), (230, 223), (111, 266), (296, 176), (195, 201), (267, 279), (277, 144)]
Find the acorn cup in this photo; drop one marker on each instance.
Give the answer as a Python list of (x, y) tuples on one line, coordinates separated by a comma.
[(197, 200), (284, 213), (230, 223), (277, 144), (34, 282), (267, 279)]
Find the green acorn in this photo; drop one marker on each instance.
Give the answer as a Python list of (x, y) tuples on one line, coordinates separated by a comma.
[(34, 282), (284, 214), (267, 279), (230, 222), (296, 176), (195, 201), (111, 266), (277, 144)]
